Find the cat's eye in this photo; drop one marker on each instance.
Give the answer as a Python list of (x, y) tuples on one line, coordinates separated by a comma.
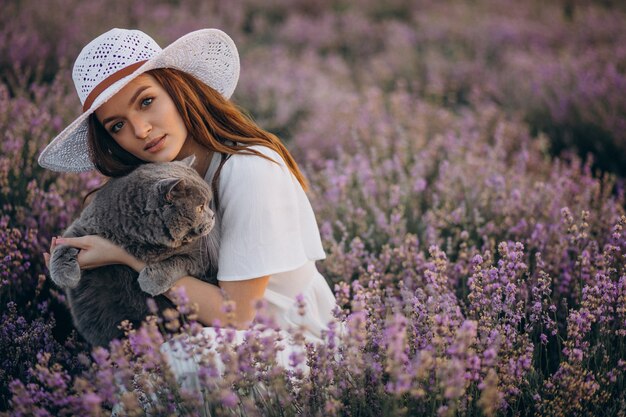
[(200, 209)]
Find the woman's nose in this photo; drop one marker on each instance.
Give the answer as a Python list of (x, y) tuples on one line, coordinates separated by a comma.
[(142, 127)]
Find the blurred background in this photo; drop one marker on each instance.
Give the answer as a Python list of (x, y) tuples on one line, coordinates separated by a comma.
[(559, 65)]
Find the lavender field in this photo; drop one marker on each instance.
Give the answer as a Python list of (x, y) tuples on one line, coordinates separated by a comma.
[(466, 161)]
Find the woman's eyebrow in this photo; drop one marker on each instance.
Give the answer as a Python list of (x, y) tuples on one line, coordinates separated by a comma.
[(139, 91), (130, 102)]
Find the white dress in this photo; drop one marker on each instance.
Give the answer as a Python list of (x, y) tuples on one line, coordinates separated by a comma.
[(267, 228)]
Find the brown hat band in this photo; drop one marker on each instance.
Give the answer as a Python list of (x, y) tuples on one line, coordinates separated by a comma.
[(104, 84)]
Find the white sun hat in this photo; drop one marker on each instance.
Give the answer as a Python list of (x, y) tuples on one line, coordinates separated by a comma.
[(115, 58)]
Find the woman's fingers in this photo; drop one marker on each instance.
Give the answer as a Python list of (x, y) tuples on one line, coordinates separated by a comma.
[(95, 251), (46, 255), (82, 242)]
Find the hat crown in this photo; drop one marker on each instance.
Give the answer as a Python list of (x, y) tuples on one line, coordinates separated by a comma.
[(108, 54)]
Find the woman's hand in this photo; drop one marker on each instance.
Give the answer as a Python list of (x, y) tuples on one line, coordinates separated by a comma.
[(46, 255), (96, 251)]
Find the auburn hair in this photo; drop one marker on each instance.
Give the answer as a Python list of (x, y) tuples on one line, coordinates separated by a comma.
[(211, 120)]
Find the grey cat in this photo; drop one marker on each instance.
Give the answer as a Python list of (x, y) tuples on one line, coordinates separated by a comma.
[(160, 214)]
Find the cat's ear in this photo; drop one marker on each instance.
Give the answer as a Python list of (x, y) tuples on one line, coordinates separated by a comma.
[(189, 160), (169, 186), (166, 188)]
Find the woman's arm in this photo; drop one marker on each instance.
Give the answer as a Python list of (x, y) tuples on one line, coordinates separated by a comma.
[(96, 251), (211, 298)]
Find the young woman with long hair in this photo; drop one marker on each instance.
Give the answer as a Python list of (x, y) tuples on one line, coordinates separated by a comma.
[(144, 104)]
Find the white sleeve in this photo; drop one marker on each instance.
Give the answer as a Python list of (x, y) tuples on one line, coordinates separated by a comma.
[(267, 224)]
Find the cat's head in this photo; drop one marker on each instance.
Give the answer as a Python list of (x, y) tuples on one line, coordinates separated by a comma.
[(178, 201)]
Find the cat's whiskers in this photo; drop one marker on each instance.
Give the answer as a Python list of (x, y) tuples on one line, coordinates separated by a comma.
[(201, 248), (210, 246)]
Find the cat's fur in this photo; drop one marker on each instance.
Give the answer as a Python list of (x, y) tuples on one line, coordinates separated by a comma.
[(160, 214)]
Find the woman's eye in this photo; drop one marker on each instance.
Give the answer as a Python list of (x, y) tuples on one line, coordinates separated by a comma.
[(116, 127), (146, 102)]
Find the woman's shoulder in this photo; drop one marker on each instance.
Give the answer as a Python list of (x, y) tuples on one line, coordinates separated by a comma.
[(266, 151), (250, 161), (254, 172)]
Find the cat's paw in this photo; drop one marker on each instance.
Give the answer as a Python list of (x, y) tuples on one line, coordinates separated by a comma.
[(152, 280), (64, 268)]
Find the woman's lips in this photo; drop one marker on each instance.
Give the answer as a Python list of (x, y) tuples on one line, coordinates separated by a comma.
[(155, 145)]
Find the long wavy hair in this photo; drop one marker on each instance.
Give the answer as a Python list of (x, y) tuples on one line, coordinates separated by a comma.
[(213, 121)]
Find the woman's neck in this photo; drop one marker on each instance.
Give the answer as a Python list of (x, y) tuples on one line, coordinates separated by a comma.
[(203, 160), (202, 154)]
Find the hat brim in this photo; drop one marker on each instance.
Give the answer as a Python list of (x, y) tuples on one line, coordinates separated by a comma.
[(193, 53)]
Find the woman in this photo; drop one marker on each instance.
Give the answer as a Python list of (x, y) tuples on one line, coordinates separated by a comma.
[(142, 104)]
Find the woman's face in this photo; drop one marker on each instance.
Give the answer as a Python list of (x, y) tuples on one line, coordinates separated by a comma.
[(143, 119)]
